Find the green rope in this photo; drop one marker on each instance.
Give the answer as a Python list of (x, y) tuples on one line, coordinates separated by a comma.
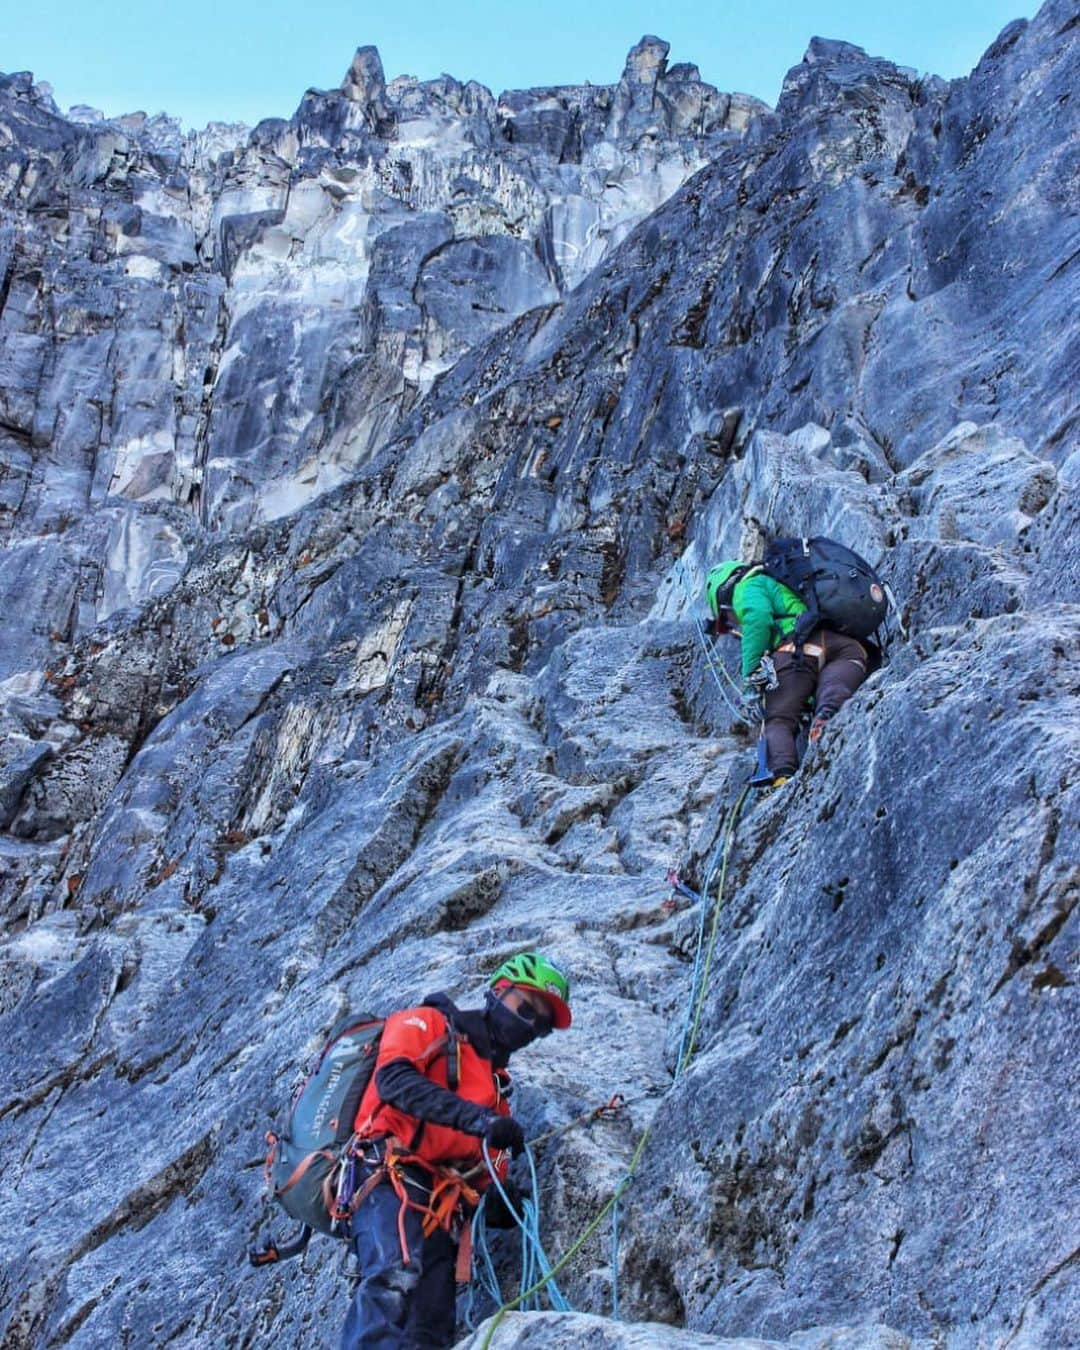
[(704, 981), (573, 1250), (635, 1160)]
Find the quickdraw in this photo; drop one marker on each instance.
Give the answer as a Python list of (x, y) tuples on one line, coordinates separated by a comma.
[(678, 885), (610, 1108), (341, 1200)]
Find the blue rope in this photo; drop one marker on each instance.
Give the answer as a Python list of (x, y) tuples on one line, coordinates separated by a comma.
[(535, 1266), (716, 666), (483, 1271)]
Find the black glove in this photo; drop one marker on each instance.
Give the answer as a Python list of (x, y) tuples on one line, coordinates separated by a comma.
[(504, 1132), (496, 1211)]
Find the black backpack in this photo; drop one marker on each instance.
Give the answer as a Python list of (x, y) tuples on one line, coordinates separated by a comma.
[(840, 590)]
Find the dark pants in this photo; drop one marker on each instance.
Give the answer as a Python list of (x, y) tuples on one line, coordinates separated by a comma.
[(399, 1306), (830, 682)]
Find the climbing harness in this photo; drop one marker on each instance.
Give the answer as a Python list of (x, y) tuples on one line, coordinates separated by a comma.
[(444, 1196), (807, 649), (699, 986)]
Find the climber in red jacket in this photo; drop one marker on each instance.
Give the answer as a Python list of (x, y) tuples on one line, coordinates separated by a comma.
[(438, 1094)]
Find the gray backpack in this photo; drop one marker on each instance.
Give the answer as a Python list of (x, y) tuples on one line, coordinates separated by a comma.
[(311, 1169), (840, 589), (305, 1161)]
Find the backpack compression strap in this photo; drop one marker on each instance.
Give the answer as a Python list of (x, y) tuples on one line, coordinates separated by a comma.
[(273, 1251)]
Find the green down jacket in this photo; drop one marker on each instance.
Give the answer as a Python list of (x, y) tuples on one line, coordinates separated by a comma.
[(766, 611)]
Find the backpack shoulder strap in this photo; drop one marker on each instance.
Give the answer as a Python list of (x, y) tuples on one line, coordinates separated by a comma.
[(453, 1056), (752, 570), (448, 1044)]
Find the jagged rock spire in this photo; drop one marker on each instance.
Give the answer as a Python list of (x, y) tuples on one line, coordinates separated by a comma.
[(365, 83), (646, 62)]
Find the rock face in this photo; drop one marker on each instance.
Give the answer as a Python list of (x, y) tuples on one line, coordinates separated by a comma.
[(354, 529), (213, 329), (578, 1331)]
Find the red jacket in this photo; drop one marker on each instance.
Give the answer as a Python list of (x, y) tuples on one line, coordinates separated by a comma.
[(419, 1035)]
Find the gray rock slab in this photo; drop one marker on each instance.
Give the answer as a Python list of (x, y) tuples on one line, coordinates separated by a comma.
[(347, 649), (578, 1329)]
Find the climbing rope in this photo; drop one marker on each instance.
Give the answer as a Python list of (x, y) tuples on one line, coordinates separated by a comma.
[(536, 1270), (698, 996), (716, 666), (697, 1001), (483, 1274), (575, 1247), (699, 947), (615, 1261), (606, 1111)]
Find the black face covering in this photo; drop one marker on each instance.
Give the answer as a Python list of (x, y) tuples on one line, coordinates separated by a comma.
[(509, 1031)]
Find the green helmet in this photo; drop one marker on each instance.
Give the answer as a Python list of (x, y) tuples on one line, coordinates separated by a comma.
[(533, 970), (721, 582)]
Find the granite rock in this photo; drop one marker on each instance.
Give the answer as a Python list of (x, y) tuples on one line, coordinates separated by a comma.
[(347, 649)]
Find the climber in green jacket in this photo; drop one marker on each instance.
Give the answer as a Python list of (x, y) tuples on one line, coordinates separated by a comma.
[(749, 604)]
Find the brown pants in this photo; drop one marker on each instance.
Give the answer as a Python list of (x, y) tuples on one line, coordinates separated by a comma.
[(830, 680)]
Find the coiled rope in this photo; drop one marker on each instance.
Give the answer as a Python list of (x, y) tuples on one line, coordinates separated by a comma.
[(536, 1270)]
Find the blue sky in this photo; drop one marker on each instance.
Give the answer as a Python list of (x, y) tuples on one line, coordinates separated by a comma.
[(247, 59)]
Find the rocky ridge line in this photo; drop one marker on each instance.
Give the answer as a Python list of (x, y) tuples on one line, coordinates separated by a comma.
[(454, 707)]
